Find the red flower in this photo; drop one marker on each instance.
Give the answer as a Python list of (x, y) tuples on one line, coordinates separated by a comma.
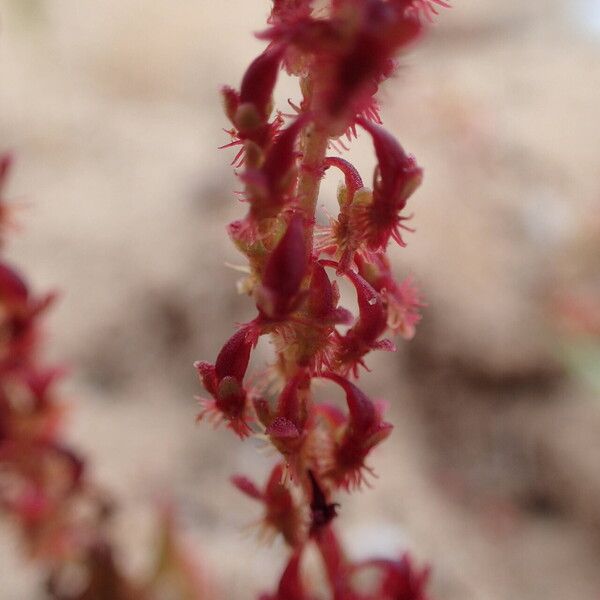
[(278, 294), (224, 382), (362, 430), (402, 300), (282, 512), (352, 52), (396, 177), (19, 309), (314, 340), (399, 580), (363, 336), (250, 108), (286, 425), (342, 238), (290, 586)]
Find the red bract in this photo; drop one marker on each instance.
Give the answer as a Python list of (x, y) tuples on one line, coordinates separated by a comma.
[(402, 300), (250, 108), (323, 299), (286, 426), (270, 182), (396, 177), (399, 579), (342, 50), (284, 271), (290, 586), (352, 178), (342, 238), (282, 512), (224, 382), (259, 81), (363, 429), (382, 28), (18, 331), (313, 343), (364, 335)]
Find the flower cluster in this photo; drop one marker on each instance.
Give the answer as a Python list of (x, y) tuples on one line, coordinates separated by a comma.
[(45, 488), (341, 51)]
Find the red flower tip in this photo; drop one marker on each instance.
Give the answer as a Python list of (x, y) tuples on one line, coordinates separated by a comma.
[(372, 317), (283, 273), (397, 174), (281, 156), (287, 426), (6, 161), (352, 178), (399, 579), (323, 299), (365, 40), (363, 335), (269, 182), (290, 586), (13, 290), (234, 356), (282, 513), (363, 431), (224, 382), (249, 109), (363, 414), (259, 80), (247, 487), (396, 177), (231, 102), (402, 300)]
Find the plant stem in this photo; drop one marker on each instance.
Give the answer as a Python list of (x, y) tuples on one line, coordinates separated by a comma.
[(314, 146)]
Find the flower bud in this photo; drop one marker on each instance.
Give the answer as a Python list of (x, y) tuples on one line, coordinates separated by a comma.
[(283, 273), (259, 81), (224, 382), (363, 431), (396, 177), (282, 512)]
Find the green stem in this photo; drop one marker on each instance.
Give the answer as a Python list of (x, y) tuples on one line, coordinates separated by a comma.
[(314, 146)]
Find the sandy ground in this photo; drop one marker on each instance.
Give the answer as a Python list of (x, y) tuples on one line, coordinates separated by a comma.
[(491, 475)]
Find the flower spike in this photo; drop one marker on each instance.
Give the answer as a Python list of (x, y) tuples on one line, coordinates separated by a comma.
[(342, 51)]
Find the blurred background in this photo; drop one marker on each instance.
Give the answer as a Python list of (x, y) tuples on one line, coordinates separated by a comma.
[(492, 474)]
